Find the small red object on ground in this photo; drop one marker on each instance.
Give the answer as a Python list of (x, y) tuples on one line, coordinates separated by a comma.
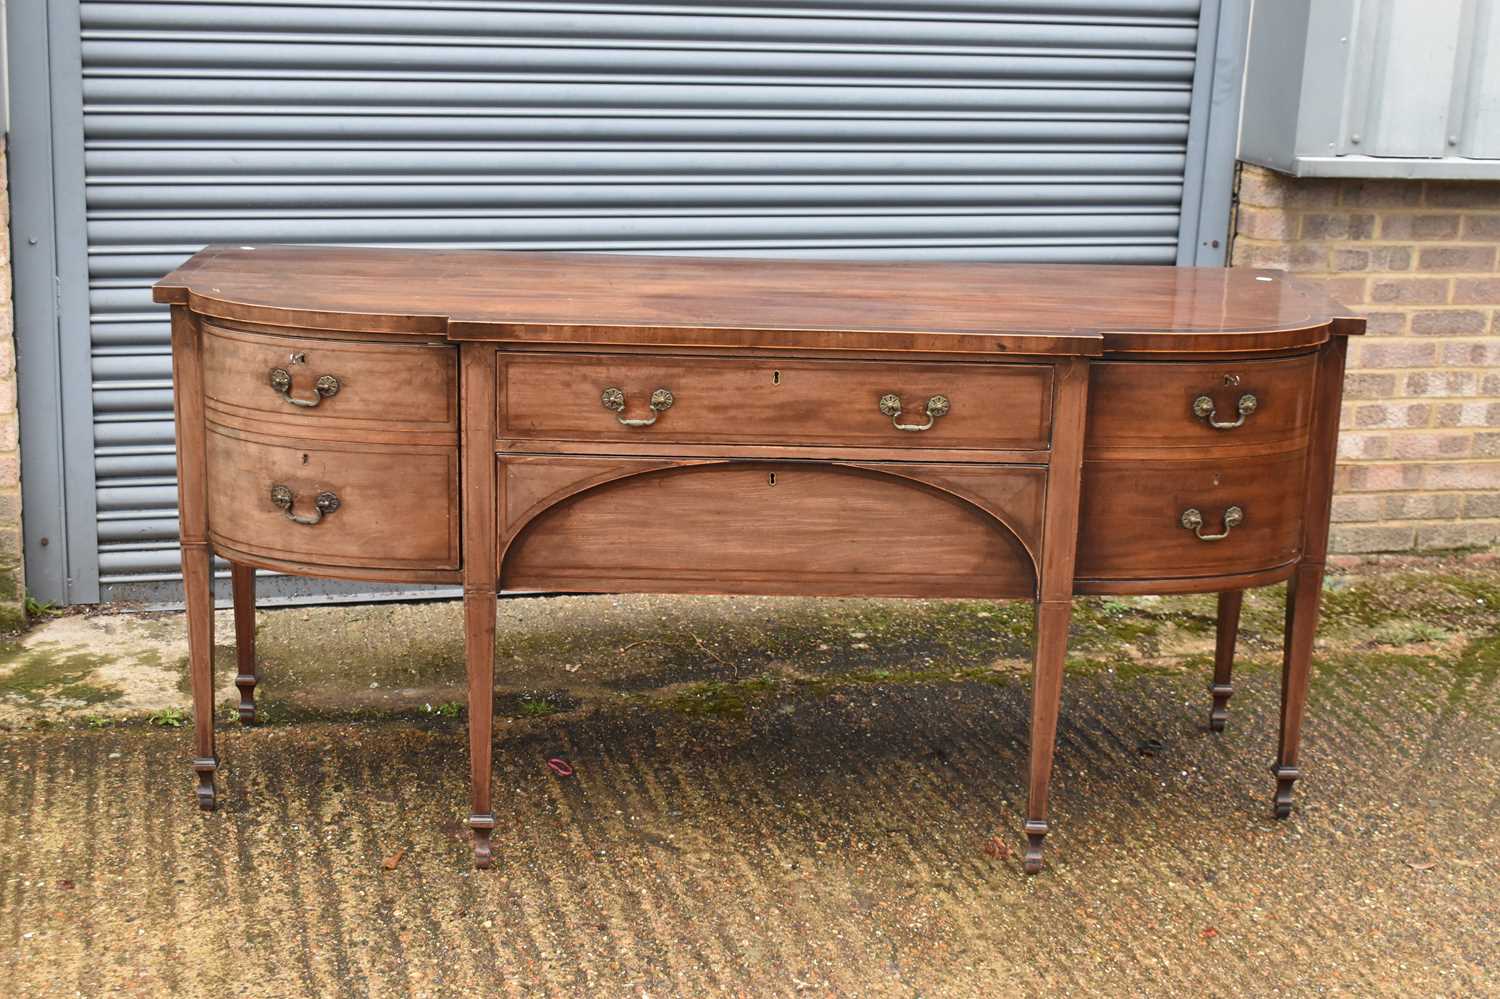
[(560, 766)]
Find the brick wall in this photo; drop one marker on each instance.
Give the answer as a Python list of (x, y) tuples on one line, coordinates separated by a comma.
[(12, 580), (1419, 452)]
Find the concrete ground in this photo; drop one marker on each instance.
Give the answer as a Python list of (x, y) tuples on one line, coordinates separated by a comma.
[(770, 798)]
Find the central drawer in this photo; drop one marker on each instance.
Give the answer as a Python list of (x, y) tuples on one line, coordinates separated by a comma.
[(633, 399)]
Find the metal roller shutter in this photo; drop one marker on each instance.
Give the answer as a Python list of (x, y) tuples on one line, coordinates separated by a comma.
[(1052, 130)]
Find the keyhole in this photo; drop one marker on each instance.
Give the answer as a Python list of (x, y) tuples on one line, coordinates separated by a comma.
[(304, 459), (1231, 379), (771, 479), (775, 377)]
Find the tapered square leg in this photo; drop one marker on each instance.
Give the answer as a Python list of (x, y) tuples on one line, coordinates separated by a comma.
[(1222, 688), (1303, 595), (197, 579), (479, 653), (1046, 695), (242, 585)]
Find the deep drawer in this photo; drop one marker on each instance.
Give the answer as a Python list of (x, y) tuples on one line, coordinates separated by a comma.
[(583, 399), (321, 386), (326, 503), (1229, 405), (1131, 521), (666, 525)]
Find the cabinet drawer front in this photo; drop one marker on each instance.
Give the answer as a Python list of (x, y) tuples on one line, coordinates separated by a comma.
[(1131, 520), (307, 385), (801, 528), (1256, 405), (566, 397), (391, 507)]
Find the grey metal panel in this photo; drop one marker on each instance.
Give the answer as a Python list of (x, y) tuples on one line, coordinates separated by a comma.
[(52, 339), (961, 129), (1374, 88), (1203, 236)]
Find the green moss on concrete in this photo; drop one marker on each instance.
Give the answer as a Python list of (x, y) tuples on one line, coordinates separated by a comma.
[(42, 673)]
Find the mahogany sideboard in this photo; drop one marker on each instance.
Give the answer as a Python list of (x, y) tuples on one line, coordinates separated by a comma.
[(619, 423)]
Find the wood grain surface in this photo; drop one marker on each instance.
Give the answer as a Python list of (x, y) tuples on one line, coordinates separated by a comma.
[(984, 308), (732, 401), (642, 525)]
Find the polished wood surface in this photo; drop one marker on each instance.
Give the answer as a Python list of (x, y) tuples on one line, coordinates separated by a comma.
[(1135, 413), (788, 402), (398, 505), (637, 524), (705, 301), (385, 391), (1131, 522), (468, 441)]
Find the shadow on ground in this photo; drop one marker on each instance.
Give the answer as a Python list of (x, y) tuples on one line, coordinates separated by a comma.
[(771, 797)]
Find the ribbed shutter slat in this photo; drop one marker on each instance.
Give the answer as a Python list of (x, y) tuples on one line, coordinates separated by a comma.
[(1016, 130)]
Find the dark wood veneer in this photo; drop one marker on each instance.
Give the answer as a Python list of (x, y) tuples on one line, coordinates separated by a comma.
[(467, 441)]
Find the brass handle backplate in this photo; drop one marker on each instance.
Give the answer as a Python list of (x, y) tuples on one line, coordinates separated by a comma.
[(613, 400), (283, 497), (890, 405), (325, 386), (1203, 409), (1192, 519)]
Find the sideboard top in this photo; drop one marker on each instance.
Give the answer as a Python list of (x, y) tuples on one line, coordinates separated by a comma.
[(724, 301)]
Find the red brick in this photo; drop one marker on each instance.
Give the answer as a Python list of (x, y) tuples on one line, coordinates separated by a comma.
[(1382, 477), (1266, 188), (1403, 226), (1467, 414), (1366, 538), (1487, 445), (1476, 291), (1420, 506), (1440, 384), (1449, 322), (1390, 258), (1386, 353), (1357, 507), (1464, 194), (1482, 227), (1456, 258), (1319, 225), (1429, 446), (1466, 534), (1266, 223), (1383, 193), (1391, 415), (1363, 447), (1368, 385), (1350, 260), (1481, 354), (1482, 505), (1409, 290), (1385, 323), (1349, 291)]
